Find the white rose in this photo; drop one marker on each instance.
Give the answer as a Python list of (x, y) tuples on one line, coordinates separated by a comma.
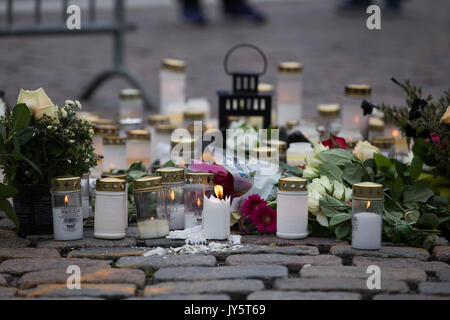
[(348, 194), (339, 190), (313, 202), (316, 186), (38, 102), (364, 150), (314, 159), (310, 172), (325, 182)]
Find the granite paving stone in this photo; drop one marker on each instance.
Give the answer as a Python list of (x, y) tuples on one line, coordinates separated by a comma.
[(88, 275), (3, 282), (6, 292), (21, 253), (108, 291), (293, 263), (263, 272), (441, 253), (339, 284), (163, 243), (256, 249), (14, 243), (409, 275), (200, 297), (157, 262), (7, 224), (428, 266), (241, 287), (408, 297), (21, 266), (435, 288), (87, 243), (111, 253), (4, 233), (444, 275), (385, 252), (294, 295)]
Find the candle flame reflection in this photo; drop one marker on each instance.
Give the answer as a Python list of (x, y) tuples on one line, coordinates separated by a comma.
[(66, 199), (199, 203), (368, 205), (172, 195), (218, 190)]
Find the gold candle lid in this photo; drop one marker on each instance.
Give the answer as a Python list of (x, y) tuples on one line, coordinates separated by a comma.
[(103, 122), (194, 115), (106, 130), (174, 65), (155, 119), (110, 185), (121, 176), (292, 123), (138, 134), (367, 191), (165, 128), (113, 140), (200, 178), (290, 67), (130, 94), (376, 124), (264, 150), (328, 110), (294, 184), (265, 88), (171, 174), (274, 144), (361, 90), (383, 142), (66, 184), (148, 184)]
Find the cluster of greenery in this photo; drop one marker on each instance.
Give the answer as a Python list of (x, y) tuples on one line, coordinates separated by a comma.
[(34, 151)]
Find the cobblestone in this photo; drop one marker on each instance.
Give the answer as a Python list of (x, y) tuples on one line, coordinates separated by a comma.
[(444, 275), (20, 253), (435, 288), (293, 295), (255, 249), (200, 297), (442, 253), (7, 292), (3, 282), (153, 263), (408, 297), (385, 252), (7, 224), (111, 253), (401, 263), (87, 243)]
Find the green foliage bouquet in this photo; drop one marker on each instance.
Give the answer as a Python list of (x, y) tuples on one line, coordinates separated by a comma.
[(39, 141)]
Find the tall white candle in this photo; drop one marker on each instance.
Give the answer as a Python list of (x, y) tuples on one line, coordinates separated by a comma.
[(366, 231), (216, 216), (154, 228)]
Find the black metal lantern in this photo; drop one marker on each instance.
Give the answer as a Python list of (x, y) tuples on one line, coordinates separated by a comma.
[(244, 100)]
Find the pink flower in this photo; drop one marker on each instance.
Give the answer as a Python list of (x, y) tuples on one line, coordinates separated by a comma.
[(340, 142), (264, 218), (249, 205)]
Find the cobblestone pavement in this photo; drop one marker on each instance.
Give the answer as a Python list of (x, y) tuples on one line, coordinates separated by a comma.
[(265, 267), (335, 49)]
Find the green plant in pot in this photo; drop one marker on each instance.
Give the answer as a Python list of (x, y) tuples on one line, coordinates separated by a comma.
[(38, 142)]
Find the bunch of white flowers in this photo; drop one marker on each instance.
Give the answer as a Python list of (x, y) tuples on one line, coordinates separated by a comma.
[(311, 170)]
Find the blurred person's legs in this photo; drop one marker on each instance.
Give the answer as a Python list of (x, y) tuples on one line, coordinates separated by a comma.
[(393, 5), (354, 4), (192, 12), (242, 10)]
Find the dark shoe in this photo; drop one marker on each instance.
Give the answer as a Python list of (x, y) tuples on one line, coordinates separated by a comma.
[(192, 13), (239, 9)]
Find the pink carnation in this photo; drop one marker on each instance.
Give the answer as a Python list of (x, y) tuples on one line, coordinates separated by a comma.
[(265, 218), (250, 204)]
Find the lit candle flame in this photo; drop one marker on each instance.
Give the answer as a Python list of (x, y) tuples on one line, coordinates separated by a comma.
[(368, 205), (172, 195), (183, 163), (356, 119), (199, 203), (218, 190), (151, 219), (66, 199), (395, 133)]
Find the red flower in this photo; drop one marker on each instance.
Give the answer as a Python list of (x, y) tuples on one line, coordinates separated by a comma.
[(250, 204), (338, 142), (264, 218)]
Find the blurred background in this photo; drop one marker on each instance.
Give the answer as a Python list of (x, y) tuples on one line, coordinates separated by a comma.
[(334, 46)]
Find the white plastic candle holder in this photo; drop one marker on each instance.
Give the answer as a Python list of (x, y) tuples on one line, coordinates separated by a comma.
[(198, 184), (114, 151), (354, 122), (172, 88), (130, 103), (173, 181), (138, 147), (289, 92)]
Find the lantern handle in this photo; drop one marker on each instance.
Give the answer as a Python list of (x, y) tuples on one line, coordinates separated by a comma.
[(242, 45)]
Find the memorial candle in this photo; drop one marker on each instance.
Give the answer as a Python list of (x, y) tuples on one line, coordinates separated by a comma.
[(173, 181), (216, 215)]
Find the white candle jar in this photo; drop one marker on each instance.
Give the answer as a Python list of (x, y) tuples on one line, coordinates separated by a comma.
[(85, 196), (266, 159), (172, 88), (114, 151), (151, 208), (67, 209), (190, 116), (173, 181), (100, 131), (110, 209), (138, 147), (124, 178), (162, 142), (376, 128), (289, 92), (198, 185), (329, 121), (298, 152), (127, 124), (367, 211), (152, 122), (130, 103), (354, 122), (277, 144), (386, 145), (292, 208)]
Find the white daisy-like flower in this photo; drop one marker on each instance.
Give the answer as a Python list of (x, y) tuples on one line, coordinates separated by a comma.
[(63, 113), (78, 104), (69, 103)]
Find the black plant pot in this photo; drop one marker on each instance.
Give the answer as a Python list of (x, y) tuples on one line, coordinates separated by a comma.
[(33, 206)]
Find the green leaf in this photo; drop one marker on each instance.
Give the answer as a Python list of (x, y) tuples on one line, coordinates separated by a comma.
[(337, 156), (353, 173), (24, 135), (342, 230), (429, 221), (397, 188), (137, 166), (381, 161), (296, 171), (136, 174), (331, 206), (168, 164), (439, 202), (415, 169), (21, 117), (7, 191), (17, 155), (419, 192), (6, 206), (330, 170), (339, 218)]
